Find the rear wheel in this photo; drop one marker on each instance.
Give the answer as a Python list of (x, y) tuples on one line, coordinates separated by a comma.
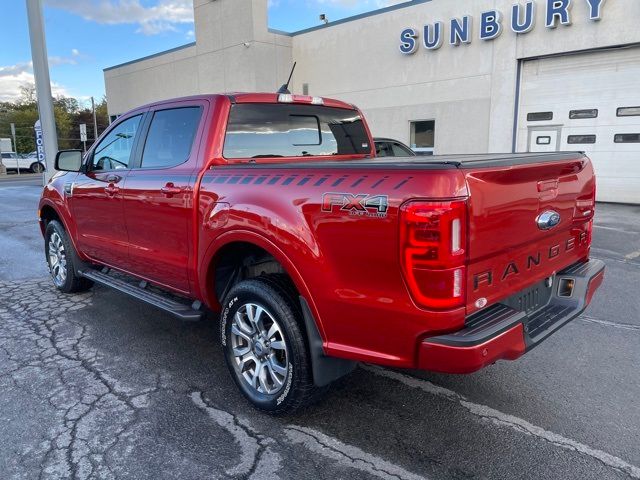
[(37, 167), (62, 259), (265, 348)]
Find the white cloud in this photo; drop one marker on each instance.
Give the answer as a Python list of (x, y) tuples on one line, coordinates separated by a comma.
[(13, 77), (162, 17), (11, 82)]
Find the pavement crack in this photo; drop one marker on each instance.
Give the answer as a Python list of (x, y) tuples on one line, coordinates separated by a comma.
[(48, 347), (252, 444)]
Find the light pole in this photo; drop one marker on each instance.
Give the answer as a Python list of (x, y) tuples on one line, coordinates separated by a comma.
[(43, 84), (95, 120)]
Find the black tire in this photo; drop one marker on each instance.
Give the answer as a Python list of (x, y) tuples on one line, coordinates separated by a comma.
[(70, 282), (36, 167), (277, 297)]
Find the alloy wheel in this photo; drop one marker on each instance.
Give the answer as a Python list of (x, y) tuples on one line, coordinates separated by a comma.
[(259, 349), (57, 259)]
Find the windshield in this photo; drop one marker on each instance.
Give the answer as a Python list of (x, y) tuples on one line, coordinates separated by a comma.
[(285, 130)]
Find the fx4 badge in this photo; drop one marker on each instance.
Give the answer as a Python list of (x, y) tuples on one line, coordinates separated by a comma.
[(356, 204)]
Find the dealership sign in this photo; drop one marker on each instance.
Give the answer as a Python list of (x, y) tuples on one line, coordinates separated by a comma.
[(39, 142), (522, 20)]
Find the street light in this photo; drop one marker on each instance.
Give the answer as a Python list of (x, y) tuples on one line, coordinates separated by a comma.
[(43, 84)]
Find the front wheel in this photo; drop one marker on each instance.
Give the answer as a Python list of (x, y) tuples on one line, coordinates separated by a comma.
[(265, 347), (61, 259)]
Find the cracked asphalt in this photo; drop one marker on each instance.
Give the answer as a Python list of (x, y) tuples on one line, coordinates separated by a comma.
[(98, 385)]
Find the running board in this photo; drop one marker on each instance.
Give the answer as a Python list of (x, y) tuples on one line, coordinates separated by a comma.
[(182, 311)]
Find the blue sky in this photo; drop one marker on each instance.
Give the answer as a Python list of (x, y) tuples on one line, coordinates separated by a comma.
[(85, 36)]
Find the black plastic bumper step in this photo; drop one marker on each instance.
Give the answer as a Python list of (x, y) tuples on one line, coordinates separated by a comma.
[(181, 310), (541, 309)]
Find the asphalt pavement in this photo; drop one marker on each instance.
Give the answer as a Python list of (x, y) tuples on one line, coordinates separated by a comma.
[(99, 385)]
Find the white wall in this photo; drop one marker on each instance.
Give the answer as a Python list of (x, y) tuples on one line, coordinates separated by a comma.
[(469, 90), (234, 52)]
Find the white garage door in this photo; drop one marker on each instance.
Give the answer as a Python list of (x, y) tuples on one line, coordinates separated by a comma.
[(588, 102)]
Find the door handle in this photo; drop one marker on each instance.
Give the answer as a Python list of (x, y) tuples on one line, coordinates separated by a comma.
[(170, 189)]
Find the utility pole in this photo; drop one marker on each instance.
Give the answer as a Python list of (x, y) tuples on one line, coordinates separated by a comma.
[(95, 121), (15, 147), (43, 84), (13, 134)]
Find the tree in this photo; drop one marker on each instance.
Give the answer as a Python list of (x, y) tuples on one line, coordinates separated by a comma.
[(69, 114)]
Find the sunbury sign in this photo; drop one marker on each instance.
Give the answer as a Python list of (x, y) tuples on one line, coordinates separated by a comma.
[(522, 20)]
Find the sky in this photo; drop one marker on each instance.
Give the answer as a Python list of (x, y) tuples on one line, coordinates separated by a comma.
[(86, 36)]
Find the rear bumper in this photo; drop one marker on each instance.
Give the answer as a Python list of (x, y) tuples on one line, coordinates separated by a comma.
[(507, 330)]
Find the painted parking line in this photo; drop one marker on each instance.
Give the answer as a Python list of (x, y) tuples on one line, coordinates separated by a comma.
[(622, 326), (346, 455), (615, 229), (509, 421), (259, 458)]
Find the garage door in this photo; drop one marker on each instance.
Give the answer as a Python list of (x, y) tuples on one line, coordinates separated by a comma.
[(588, 102)]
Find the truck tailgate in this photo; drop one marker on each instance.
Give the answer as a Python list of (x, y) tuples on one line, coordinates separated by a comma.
[(513, 242)]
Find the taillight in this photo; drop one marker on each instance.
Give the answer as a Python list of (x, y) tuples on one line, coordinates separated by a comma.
[(433, 250), (289, 98)]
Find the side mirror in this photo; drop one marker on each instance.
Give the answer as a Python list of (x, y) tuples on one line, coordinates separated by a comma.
[(69, 160)]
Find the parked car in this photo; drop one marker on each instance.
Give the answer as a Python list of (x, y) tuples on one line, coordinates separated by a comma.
[(388, 147), (271, 211), (12, 161)]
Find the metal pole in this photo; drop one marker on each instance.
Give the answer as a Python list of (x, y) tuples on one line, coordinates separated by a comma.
[(13, 134), (43, 84), (95, 121), (15, 147)]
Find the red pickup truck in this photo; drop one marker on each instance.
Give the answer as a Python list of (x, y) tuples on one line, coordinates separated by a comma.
[(273, 211)]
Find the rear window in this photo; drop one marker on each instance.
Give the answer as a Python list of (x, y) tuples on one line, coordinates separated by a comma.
[(283, 130)]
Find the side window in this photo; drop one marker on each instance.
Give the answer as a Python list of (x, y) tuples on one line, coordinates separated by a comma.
[(170, 137), (401, 151), (114, 151), (383, 150)]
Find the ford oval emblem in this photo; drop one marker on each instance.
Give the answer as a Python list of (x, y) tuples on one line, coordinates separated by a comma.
[(548, 220)]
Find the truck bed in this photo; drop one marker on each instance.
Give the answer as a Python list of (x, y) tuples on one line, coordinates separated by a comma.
[(436, 162)]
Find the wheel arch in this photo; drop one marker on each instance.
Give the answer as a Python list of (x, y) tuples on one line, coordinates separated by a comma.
[(325, 369), (49, 211), (251, 242)]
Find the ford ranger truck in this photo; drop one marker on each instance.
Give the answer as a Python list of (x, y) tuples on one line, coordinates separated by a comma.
[(273, 212)]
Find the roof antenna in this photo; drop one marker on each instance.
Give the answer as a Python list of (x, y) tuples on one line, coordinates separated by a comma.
[(285, 88)]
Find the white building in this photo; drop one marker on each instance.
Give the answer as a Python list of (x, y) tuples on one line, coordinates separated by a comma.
[(540, 75)]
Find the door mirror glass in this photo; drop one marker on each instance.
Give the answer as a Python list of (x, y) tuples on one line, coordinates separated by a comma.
[(69, 160)]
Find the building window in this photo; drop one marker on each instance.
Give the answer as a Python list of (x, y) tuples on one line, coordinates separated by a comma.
[(423, 136), (578, 139), (628, 112), (579, 114), (627, 138), (305, 89), (539, 116), (543, 140)]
